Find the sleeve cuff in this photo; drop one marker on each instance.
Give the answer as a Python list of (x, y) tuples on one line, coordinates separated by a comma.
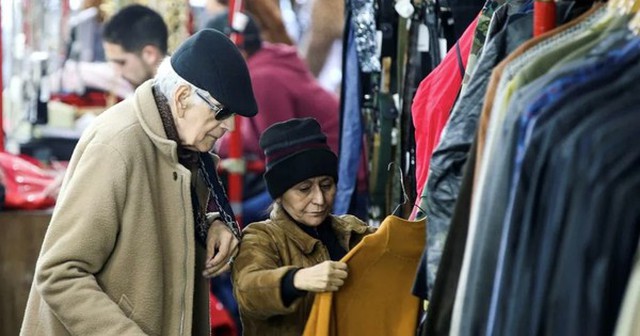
[(288, 291), (233, 226)]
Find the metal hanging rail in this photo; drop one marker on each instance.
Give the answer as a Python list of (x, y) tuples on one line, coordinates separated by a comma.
[(236, 167)]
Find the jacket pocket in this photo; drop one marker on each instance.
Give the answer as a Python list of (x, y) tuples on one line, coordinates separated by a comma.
[(126, 306)]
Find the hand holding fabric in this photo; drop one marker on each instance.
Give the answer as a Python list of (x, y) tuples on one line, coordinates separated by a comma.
[(327, 276)]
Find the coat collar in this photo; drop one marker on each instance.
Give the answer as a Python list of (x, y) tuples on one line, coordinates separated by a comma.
[(305, 242), (147, 113)]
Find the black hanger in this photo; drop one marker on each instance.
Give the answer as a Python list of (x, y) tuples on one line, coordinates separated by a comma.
[(405, 198)]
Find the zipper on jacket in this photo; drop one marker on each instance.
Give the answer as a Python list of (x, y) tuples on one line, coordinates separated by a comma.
[(186, 257)]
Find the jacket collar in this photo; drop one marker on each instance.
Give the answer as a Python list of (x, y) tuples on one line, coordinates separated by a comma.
[(305, 242), (147, 113)]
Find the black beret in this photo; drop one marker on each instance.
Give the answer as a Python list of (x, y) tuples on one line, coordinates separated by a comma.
[(210, 61)]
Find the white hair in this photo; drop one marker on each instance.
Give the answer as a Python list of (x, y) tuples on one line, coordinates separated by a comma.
[(167, 79)]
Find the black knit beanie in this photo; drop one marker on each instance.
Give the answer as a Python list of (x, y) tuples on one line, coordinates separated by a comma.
[(296, 150)]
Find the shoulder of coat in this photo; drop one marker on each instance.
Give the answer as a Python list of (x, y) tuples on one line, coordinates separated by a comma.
[(350, 221), (267, 226)]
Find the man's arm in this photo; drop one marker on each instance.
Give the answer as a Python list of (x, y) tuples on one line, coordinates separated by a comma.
[(80, 239)]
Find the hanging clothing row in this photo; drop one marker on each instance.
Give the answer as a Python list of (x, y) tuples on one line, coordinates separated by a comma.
[(534, 179), (499, 29), (387, 51), (385, 55), (434, 99)]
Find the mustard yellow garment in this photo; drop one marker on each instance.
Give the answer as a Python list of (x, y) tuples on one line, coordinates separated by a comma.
[(376, 297)]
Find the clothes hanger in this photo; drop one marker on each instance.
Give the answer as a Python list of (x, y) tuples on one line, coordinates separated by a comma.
[(405, 197)]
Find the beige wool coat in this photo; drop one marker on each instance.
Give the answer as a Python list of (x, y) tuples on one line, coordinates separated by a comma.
[(119, 256), (268, 250)]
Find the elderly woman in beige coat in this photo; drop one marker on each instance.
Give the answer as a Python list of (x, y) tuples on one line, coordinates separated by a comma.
[(285, 260), (142, 219)]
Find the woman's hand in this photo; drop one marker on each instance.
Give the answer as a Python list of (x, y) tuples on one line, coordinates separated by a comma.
[(327, 276)]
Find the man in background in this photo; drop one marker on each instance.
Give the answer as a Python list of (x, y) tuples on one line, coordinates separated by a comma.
[(135, 42)]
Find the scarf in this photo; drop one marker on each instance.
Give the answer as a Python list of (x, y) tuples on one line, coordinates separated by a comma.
[(202, 170)]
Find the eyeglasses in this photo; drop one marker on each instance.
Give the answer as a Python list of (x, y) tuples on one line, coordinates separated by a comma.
[(219, 111)]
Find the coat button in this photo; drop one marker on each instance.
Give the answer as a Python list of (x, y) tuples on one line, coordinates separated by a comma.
[(175, 176)]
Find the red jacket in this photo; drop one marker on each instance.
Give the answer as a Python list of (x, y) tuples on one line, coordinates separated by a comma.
[(433, 102)]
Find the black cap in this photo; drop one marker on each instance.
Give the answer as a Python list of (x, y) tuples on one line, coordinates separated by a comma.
[(296, 150), (210, 61)]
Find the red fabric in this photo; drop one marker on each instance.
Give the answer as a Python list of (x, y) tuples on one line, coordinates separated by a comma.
[(89, 99), (433, 102), (25, 183), (222, 323), (284, 88)]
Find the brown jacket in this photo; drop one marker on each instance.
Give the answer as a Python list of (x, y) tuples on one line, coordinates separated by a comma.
[(268, 250), (119, 256)]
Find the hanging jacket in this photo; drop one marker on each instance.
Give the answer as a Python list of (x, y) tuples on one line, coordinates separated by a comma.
[(433, 101), (450, 156), (351, 166), (376, 296)]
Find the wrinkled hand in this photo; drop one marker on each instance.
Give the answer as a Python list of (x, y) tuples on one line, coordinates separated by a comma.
[(222, 245), (327, 276)]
